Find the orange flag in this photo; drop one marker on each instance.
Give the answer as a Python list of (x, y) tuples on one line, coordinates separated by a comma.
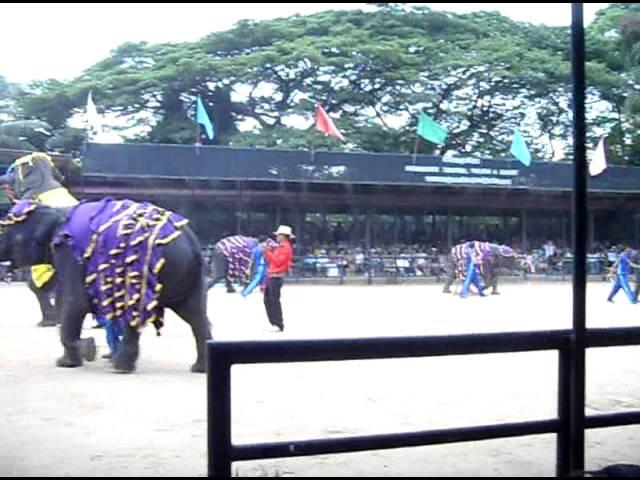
[(326, 125)]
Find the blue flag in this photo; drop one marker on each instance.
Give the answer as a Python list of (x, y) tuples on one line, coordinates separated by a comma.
[(519, 148), (203, 119)]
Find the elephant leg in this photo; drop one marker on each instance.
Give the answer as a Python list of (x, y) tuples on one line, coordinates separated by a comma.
[(125, 359), (88, 349), (70, 332), (447, 284), (450, 277), (494, 285), (219, 269), (229, 285), (193, 310), (43, 295), (71, 306), (48, 310)]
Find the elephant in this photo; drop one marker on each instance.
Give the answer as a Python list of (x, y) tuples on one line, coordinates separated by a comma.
[(124, 260), (230, 260), (36, 176), (501, 258), (495, 259)]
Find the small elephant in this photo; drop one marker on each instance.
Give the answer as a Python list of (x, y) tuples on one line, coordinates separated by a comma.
[(495, 258), (124, 260), (230, 260)]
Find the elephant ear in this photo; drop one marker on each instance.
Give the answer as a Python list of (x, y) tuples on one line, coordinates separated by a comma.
[(46, 221), (506, 251), (32, 229)]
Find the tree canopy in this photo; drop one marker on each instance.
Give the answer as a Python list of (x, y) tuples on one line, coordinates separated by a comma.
[(480, 75)]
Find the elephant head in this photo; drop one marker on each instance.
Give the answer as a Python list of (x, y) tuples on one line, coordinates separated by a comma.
[(26, 233), (504, 257)]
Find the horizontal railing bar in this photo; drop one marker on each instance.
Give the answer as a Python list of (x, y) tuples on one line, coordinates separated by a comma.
[(392, 440), (285, 351), (616, 419), (613, 337)]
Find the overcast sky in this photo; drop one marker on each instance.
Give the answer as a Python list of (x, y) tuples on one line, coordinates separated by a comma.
[(41, 41)]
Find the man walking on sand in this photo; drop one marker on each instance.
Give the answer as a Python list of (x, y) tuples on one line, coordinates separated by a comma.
[(279, 259)]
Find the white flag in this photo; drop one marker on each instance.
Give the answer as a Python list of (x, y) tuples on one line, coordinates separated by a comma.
[(599, 160), (93, 119)]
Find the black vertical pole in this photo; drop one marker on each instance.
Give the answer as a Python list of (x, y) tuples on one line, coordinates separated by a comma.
[(523, 222), (563, 438), (367, 230), (218, 413), (83, 161), (580, 220)]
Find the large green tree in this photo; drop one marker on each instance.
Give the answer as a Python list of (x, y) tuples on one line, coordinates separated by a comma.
[(30, 121), (479, 74), (614, 41)]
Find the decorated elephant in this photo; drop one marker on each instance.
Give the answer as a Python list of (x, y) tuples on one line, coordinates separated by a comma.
[(123, 260), (240, 258), (230, 260), (495, 259), (500, 259), (37, 177)]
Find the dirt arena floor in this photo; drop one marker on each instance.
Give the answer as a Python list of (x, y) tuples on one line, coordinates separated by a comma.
[(91, 422)]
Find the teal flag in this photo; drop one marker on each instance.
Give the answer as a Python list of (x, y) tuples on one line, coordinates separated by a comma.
[(519, 148), (203, 119), (430, 130)]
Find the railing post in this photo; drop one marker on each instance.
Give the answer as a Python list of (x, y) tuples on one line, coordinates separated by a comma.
[(563, 438), (219, 412), (579, 239)]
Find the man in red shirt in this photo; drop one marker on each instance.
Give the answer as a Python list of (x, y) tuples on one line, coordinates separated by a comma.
[(279, 259)]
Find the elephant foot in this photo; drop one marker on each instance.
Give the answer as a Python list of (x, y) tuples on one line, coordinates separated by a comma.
[(46, 323), (122, 364), (198, 367), (446, 290), (67, 362), (495, 293), (88, 349)]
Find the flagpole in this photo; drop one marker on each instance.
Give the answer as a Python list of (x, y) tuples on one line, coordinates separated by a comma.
[(85, 145), (415, 148), (83, 159), (197, 134), (197, 145)]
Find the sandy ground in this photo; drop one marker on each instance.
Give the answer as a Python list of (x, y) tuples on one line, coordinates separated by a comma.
[(91, 422)]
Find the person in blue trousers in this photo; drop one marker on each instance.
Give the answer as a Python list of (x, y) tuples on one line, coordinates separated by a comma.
[(472, 273), (258, 266), (622, 269), (114, 334)]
